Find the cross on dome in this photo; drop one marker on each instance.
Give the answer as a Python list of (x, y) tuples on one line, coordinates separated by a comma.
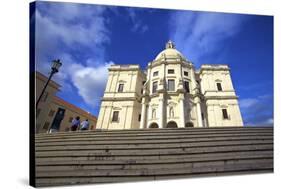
[(170, 45)]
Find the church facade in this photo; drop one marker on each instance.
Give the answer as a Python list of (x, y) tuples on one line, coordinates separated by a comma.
[(169, 94)]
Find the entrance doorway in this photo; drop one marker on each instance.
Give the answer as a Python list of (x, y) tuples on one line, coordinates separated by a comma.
[(172, 124), (153, 125), (189, 124)]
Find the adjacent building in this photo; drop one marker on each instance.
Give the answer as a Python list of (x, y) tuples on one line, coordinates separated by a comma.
[(170, 93), (51, 107)]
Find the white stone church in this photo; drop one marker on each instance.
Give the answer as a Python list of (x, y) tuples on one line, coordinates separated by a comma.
[(169, 94)]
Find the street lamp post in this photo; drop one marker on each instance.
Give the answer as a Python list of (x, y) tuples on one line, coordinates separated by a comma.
[(55, 68)]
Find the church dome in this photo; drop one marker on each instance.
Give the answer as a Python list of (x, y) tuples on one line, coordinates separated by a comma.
[(170, 52)]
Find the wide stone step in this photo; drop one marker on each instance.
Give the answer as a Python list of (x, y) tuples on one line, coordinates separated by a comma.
[(152, 146), (43, 182), (125, 164), (143, 159), (151, 138), (165, 169), (135, 152), (151, 154), (149, 132), (137, 142), (144, 136)]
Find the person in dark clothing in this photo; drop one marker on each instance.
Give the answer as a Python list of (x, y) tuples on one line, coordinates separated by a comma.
[(75, 123)]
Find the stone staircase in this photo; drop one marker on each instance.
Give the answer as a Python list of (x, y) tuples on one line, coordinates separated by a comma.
[(150, 154)]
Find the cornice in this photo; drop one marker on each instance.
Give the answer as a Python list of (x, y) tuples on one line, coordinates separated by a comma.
[(119, 99), (219, 97)]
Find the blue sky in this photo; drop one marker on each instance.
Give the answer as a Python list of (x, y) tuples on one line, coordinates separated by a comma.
[(89, 38)]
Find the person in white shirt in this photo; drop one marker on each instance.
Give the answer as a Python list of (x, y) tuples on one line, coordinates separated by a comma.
[(85, 125)]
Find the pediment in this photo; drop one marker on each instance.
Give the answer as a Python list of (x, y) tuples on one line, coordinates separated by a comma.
[(117, 108), (122, 81), (154, 105), (172, 104)]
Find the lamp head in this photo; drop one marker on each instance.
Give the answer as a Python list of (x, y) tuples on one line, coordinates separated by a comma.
[(56, 65)]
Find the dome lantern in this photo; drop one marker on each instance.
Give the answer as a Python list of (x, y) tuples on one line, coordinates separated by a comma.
[(170, 53), (170, 45)]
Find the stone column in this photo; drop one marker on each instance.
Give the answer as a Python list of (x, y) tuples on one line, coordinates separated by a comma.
[(149, 87), (109, 82), (182, 115), (161, 112), (109, 116), (199, 115), (193, 81), (149, 116), (143, 114)]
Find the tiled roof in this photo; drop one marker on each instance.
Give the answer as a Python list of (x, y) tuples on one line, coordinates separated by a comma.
[(73, 107)]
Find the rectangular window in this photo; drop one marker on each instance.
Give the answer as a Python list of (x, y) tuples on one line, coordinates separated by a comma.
[(219, 87), (115, 116), (171, 85), (185, 73), (51, 113), (46, 125), (155, 73), (171, 71), (139, 117), (186, 86), (154, 87), (202, 115), (224, 114), (121, 87)]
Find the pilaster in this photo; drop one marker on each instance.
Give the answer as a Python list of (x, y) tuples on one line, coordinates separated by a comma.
[(161, 112), (198, 108), (182, 114), (143, 114)]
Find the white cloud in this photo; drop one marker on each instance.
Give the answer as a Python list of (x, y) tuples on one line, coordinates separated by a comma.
[(265, 123), (255, 86), (257, 111), (269, 121), (248, 102), (138, 25), (66, 12), (198, 35), (64, 29), (50, 32), (90, 81)]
